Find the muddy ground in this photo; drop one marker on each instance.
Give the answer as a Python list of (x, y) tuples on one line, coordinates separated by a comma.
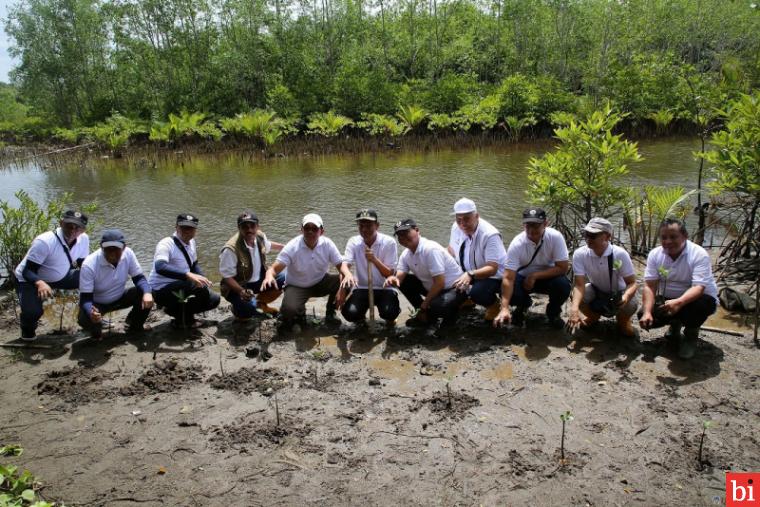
[(365, 417)]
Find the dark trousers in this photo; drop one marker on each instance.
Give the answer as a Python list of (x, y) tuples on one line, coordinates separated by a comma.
[(557, 288), (203, 300), (135, 318), (31, 304), (485, 291), (357, 304), (247, 309), (445, 305), (295, 298), (691, 315)]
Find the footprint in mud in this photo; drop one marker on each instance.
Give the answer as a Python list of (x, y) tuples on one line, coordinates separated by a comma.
[(248, 380), (454, 406)]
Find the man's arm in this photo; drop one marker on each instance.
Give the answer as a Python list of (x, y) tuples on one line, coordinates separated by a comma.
[(579, 288), (630, 289), (560, 268), (269, 279), (395, 280), (486, 271), (437, 287), (647, 303), (507, 287)]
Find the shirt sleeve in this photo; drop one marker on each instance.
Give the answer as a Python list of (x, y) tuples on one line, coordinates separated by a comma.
[(701, 273), (348, 256), (455, 238), (559, 248), (267, 243), (403, 264), (627, 268), (227, 263), (495, 251), (286, 254), (38, 252), (163, 250), (134, 266), (513, 256), (578, 268), (650, 273), (86, 279), (437, 262), (389, 255), (334, 254)]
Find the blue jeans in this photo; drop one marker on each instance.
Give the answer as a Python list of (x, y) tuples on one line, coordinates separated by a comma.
[(357, 304), (247, 309), (484, 291), (132, 297), (557, 288), (31, 304), (203, 299)]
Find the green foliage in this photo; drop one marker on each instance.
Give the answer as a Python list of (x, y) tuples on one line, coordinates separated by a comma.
[(11, 450), (581, 179), (115, 132), (18, 489), (562, 118), (381, 125), (647, 207), (328, 124), (411, 116), (662, 119), (184, 125), (450, 92), (440, 121), (259, 124), (483, 114), (282, 101), (514, 125), (566, 416)]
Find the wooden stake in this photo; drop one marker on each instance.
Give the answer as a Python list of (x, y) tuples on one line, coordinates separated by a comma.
[(370, 293)]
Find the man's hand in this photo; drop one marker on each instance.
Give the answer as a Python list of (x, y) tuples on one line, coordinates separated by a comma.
[(574, 320), (348, 281), (391, 281), (504, 317), (269, 282), (147, 301), (95, 315), (463, 282), (624, 299), (198, 280), (671, 306), (43, 290), (646, 320), (369, 254), (246, 295), (425, 306), (529, 282)]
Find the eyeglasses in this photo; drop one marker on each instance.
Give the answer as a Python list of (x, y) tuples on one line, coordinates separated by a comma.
[(310, 228), (591, 235)]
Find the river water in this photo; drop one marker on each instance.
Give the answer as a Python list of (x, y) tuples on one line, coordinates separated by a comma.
[(144, 201)]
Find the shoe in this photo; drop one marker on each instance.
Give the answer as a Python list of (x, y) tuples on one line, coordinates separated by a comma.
[(518, 316), (28, 338), (625, 326), (332, 319), (687, 347), (555, 322), (28, 335), (265, 308), (673, 334), (492, 311), (417, 321)]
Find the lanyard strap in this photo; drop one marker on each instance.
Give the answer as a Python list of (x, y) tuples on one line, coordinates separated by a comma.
[(184, 252), (65, 250), (532, 258)]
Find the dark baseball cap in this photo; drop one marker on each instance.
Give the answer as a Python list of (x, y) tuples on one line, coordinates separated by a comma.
[(534, 215), (75, 217), (247, 216), (187, 220), (404, 225), (113, 237), (367, 214)]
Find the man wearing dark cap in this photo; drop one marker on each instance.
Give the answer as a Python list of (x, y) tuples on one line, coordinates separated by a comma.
[(426, 274), (102, 285), (177, 280), (52, 262), (537, 261), (242, 264), (378, 250)]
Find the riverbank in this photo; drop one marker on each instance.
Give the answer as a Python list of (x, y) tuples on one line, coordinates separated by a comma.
[(171, 418)]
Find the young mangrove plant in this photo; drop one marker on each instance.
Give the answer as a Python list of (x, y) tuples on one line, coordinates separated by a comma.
[(705, 426), (183, 299), (328, 124), (565, 417)]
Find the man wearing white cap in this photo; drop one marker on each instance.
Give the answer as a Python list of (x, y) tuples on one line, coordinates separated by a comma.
[(102, 285), (308, 258), (371, 248), (611, 287), (537, 261), (478, 248)]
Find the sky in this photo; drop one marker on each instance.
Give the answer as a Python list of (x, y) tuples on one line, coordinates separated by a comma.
[(6, 63)]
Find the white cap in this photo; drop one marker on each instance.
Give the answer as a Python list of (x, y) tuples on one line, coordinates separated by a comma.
[(312, 218), (464, 205)]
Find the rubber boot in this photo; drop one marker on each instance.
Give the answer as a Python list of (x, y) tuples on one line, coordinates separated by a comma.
[(673, 334), (590, 317), (688, 345), (624, 325)]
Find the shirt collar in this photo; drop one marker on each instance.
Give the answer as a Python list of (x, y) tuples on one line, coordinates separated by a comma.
[(180, 239)]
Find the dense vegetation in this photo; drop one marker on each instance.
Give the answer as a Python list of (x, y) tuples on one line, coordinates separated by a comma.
[(111, 71)]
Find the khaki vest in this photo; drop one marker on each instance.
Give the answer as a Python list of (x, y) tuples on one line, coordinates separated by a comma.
[(245, 264)]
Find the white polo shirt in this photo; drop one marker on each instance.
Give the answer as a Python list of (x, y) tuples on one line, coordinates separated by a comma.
[(49, 253), (306, 266), (168, 251), (430, 260), (384, 249), (597, 269), (521, 249), (228, 260), (485, 245), (692, 267), (106, 281)]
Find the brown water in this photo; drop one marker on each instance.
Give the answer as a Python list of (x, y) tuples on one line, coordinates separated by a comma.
[(144, 202)]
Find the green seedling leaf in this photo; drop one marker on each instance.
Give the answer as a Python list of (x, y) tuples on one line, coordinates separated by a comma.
[(11, 450), (663, 272), (566, 417), (707, 424), (28, 495), (617, 264)]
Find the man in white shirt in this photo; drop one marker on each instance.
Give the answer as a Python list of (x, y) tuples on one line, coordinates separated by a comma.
[(178, 283), (308, 258), (102, 285), (426, 274), (537, 261), (242, 264), (611, 287), (52, 262), (374, 248), (478, 248), (679, 288)]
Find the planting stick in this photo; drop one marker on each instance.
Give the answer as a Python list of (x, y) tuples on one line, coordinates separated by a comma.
[(25, 346), (370, 293), (723, 331)]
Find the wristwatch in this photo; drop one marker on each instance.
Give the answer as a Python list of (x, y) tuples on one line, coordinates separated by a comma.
[(471, 273)]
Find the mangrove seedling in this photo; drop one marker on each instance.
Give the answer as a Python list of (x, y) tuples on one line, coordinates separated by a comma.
[(566, 418), (183, 299), (449, 403), (276, 409), (705, 426), (663, 272), (11, 450)]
